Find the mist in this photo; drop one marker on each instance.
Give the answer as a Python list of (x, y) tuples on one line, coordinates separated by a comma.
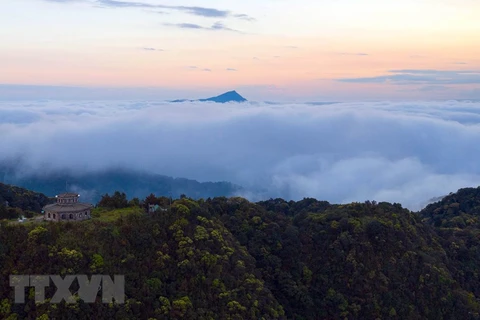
[(406, 152)]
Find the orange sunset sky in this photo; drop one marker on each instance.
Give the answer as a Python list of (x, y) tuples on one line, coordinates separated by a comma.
[(265, 49)]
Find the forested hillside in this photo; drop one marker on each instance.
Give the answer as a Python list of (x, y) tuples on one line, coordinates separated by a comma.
[(15, 202), (355, 261), (228, 258), (457, 218), (457, 210), (177, 265)]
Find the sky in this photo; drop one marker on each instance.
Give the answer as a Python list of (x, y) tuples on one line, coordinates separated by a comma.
[(267, 50), (406, 151)]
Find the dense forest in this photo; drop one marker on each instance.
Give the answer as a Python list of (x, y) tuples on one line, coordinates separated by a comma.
[(16, 202), (228, 258)]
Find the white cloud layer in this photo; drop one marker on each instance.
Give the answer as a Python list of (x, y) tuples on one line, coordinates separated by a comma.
[(399, 152)]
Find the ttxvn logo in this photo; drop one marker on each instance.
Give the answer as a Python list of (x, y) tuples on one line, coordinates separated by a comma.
[(112, 290)]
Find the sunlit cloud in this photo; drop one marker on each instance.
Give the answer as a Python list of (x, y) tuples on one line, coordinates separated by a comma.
[(422, 77), (433, 88), (193, 10), (218, 26), (152, 49), (361, 54)]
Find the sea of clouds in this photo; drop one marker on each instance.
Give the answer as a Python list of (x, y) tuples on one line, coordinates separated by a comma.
[(407, 152)]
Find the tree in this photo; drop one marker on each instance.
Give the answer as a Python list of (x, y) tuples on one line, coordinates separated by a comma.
[(135, 202), (117, 201)]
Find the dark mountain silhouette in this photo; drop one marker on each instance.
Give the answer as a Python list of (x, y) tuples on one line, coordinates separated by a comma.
[(137, 184), (230, 96)]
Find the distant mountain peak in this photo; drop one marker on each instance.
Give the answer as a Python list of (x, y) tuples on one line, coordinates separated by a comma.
[(230, 96), (227, 97), (233, 93)]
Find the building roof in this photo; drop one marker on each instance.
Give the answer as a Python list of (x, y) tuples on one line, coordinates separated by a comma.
[(67, 195), (74, 207)]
